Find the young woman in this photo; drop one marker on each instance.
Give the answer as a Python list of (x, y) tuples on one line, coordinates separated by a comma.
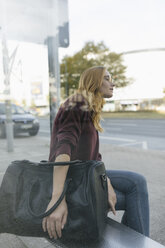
[(75, 136)]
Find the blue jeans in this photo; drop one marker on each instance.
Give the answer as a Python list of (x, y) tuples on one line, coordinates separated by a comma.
[(132, 196)]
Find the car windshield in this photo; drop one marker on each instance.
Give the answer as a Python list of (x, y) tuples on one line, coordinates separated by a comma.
[(18, 110), (15, 109)]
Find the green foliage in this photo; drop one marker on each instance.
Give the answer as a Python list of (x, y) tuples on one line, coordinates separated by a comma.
[(92, 55)]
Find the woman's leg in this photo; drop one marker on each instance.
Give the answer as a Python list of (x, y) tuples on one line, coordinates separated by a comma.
[(132, 196)]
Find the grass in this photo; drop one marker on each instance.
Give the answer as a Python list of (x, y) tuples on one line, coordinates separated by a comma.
[(134, 114)]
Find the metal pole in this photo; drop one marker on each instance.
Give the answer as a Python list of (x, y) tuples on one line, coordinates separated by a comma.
[(54, 69), (9, 123), (56, 55), (66, 78)]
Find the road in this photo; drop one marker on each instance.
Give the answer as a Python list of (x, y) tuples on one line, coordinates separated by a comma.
[(147, 134)]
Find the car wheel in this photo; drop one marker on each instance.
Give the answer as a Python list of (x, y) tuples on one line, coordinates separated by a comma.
[(2, 132), (33, 133)]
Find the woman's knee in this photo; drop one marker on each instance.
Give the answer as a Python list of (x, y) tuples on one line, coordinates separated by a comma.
[(140, 182), (126, 181)]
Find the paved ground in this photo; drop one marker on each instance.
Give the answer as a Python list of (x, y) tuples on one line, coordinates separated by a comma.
[(149, 163)]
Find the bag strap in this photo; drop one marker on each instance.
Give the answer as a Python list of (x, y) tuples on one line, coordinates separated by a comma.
[(54, 206)]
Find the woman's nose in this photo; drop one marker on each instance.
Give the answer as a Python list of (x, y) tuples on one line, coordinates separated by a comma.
[(112, 83)]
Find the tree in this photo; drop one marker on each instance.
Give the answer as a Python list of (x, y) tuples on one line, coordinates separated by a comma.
[(92, 55)]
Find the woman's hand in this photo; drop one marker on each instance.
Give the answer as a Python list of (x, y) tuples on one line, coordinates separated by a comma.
[(55, 222), (111, 197)]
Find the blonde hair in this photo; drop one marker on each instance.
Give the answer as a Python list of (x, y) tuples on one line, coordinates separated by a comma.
[(89, 85)]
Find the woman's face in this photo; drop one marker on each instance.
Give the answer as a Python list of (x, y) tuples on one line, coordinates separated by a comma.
[(107, 86)]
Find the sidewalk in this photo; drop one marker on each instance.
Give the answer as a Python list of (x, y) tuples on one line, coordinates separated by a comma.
[(149, 163)]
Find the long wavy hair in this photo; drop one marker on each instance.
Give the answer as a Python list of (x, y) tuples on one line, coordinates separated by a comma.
[(89, 85)]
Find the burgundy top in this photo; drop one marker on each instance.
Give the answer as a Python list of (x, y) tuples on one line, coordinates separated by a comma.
[(74, 133)]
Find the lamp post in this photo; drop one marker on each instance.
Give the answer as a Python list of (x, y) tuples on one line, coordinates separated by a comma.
[(9, 123)]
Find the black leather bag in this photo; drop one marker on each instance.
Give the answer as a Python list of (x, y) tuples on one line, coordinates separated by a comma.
[(26, 190)]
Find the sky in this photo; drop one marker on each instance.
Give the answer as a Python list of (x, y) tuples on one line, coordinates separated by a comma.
[(124, 25)]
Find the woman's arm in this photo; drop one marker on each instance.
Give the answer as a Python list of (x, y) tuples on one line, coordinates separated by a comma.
[(59, 175), (64, 140), (56, 220)]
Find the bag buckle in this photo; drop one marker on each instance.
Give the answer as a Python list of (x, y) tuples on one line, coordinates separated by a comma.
[(104, 180), (104, 177)]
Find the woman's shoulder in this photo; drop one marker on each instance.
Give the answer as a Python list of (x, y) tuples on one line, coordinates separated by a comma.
[(75, 102)]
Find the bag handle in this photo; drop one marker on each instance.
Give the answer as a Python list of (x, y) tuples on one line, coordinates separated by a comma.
[(54, 206), (47, 163)]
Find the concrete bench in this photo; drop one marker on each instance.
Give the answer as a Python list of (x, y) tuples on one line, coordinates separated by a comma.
[(116, 236)]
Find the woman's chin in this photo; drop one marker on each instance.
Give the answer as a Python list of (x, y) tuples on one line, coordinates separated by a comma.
[(108, 96)]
